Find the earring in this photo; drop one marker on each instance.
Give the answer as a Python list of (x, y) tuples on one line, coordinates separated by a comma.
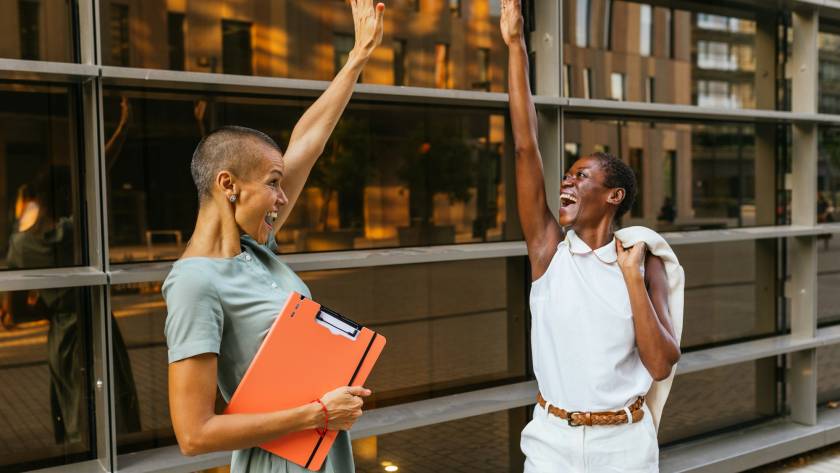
[(232, 199)]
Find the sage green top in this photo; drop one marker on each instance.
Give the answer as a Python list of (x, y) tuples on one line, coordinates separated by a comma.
[(226, 306)]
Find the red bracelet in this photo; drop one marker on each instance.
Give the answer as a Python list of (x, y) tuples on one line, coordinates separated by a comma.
[(323, 431)]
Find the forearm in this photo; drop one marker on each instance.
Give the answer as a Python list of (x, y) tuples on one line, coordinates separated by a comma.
[(240, 431), (522, 112), (312, 131), (657, 348)]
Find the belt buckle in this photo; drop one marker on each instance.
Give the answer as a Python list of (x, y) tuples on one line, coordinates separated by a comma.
[(569, 418)]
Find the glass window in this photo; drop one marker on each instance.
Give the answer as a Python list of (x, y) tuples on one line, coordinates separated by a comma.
[(587, 83), (139, 348), (617, 86), (177, 55), (726, 302), (391, 176), (828, 211), (477, 444), (829, 71), (645, 30), (399, 46), (684, 49), (291, 38), (582, 23), (38, 30), (119, 29), (42, 223), (828, 373), (342, 45), (719, 398), (46, 415), (715, 185), (443, 336), (650, 90), (237, 51), (484, 70)]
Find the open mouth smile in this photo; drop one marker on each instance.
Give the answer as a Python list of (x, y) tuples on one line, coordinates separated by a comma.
[(567, 199)]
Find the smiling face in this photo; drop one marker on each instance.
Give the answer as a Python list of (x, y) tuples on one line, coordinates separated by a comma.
[(260, 195), (584, 198)]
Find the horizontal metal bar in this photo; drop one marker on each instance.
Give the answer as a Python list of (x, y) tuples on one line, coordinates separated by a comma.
[(148, 272), (229, 83), (754, 350), (49, 278), (169, 460), (412, 415), (90, 466), (752, 446), (690, 112), (749, 233), (45, 71)]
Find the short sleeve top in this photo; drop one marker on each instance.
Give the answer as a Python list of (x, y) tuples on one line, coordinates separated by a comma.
[(226, 306)]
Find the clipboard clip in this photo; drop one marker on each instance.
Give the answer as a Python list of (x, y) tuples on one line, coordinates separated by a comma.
[(338, 324)]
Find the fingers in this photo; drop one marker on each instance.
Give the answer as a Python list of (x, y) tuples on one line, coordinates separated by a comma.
[(358, 391), (619, 247), (380, 12)]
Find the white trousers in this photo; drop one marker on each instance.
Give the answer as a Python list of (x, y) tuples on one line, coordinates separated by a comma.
[(550, 445)]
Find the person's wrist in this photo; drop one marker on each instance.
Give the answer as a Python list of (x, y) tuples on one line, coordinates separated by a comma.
[(632, 274), (359, 54), (517, 44), (315, 415)]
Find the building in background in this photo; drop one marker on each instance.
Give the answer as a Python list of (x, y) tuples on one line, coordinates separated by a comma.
[(413, 205)]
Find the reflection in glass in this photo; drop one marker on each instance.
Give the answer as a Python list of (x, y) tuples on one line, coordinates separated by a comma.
[(828, 211), (828, 374), (140, 311), (485, 443), (39, 193), (695, 176), (38, 30), (629, 41), (726, 302), (829, 72), (438, 47), (390, 176), (444, 335), (45, 416), (715, 399)]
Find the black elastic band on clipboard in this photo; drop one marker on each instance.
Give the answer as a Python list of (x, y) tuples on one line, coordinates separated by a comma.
[(350, 383)]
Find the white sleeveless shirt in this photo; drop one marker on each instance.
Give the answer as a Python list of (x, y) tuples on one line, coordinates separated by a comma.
[(582, 335)]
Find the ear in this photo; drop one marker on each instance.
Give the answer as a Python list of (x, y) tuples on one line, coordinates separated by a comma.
[(616, 196), (226, 183)]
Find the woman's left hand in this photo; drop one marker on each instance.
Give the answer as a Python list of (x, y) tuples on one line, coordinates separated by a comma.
[(630, 260), (367, 20)]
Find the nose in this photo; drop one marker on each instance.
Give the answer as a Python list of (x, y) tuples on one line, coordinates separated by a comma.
[(568, 181), (281, 197)]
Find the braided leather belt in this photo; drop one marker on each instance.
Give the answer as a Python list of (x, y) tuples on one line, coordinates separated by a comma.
[(578, 418)]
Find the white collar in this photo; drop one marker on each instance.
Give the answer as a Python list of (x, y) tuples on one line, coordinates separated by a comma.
[(606, 253)]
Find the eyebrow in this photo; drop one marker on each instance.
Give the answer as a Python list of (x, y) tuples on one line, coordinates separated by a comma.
[(277, 171)]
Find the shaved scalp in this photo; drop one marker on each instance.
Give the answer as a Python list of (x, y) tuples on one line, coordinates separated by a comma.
[(229, 148)]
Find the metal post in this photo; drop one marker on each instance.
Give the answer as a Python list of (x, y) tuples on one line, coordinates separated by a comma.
[(802, 290), (547, 44)]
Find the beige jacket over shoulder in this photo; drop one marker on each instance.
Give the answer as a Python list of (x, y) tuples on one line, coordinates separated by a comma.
[(657, 245)]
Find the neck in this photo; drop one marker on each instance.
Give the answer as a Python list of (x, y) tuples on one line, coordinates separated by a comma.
[(216, 234), (595, 236)]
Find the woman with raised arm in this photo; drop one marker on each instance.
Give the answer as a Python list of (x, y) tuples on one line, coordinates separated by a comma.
[(224, 293), (606, 320)]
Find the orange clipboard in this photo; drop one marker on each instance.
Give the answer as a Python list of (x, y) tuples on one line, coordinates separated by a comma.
[(309, 351)]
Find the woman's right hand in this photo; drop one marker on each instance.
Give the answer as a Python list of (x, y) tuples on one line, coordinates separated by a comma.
[(344, 406), (368, 23), (512, 23)]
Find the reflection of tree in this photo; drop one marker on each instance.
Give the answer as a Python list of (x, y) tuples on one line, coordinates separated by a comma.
[(437, 164), (342, 170)]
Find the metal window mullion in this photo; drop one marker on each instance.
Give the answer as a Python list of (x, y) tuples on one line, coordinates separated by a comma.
[(802, 374)]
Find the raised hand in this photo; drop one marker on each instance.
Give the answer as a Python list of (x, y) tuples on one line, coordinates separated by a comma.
[(367, 21), (511, 22)]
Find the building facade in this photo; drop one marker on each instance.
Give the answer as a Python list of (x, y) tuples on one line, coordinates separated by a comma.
[(729, 114)]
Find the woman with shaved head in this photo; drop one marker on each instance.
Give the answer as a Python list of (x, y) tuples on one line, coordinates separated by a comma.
[(225, 291), (606, 304)]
